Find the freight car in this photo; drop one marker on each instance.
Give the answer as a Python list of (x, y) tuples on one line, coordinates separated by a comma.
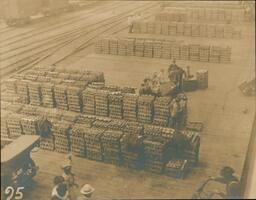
[(17, 12)]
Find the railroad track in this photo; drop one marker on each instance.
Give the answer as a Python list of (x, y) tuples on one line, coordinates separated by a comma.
[(42, 42), (73, 45)]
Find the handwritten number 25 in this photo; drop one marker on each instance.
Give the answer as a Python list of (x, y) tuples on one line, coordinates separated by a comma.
[(10, 193)]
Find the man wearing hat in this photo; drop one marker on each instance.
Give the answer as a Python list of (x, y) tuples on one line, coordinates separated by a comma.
[(174, 108), (86, 192), (182, 112)]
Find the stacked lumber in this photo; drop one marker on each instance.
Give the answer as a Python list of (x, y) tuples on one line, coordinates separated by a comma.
[(145, 108), (176, 168), (30, 125), (161, 111), (77, 139), (22, 91), (132, 150), (89, 101), (60, 92), (74, 98), (115, 100), (139, 47), (48, 98), (94, 149), (155, 149), (101, 103), (61, 132), (148, 48), (111, 146), (14, 125)]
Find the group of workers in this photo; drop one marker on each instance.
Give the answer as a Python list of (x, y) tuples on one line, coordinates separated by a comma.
[(64, 185), (133, 18), (175, 76)]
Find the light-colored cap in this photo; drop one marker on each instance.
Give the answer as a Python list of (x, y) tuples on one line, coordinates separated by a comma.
[(87, 189), (65, 165)]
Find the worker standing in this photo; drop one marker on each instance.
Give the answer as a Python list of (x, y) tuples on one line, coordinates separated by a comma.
[(181, 74), (173, 72), (182, 113), (86, 192), (174, 108), (60, 192)]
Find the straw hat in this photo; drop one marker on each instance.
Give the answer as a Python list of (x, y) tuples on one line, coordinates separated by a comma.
[(87, 189)]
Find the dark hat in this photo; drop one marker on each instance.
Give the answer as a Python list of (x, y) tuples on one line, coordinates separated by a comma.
[(227, 170)]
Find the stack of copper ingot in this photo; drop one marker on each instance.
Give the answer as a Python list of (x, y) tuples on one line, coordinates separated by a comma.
[(139, 47), (215, 54), (131, 145), (130, 107), (157, 49), (74, 97), (105, 46), (145, 108), (113, 46), (175, 51), (194, 52), (136, 27), (14, 125), (111, 146), (53, 115), (98, 46), (219, 31), (30, 110), (4, 127), (101, 122), (22, 91), (161, 111), (60, 92), (187, 29), (130, 47), (89, 101), (77, 139), (184, 52), (148, 48), (155, 149), (204, 52), (166, 49), (225, 55), (11, 85), (48, 95), (35, 93), (143, 27), (191, 152), (15, 107), (61, 132), (101, 103), (165, 28), (172, 29), (158, 28), (69, 116), (30, 125), (195, 30), (47, 143), (92, 138), (122, 47), (31, 75), (86, 119), (117, 124), (115, 100), (151, 27), (176, 168)]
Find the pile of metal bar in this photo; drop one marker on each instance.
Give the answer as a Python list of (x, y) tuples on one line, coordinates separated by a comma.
[(61, 132), (145, 108), (77, 139), (101, 103), (115, 100), (161, 111)]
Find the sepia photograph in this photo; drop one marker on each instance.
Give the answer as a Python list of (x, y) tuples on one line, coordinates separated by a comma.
[(127, 100)]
